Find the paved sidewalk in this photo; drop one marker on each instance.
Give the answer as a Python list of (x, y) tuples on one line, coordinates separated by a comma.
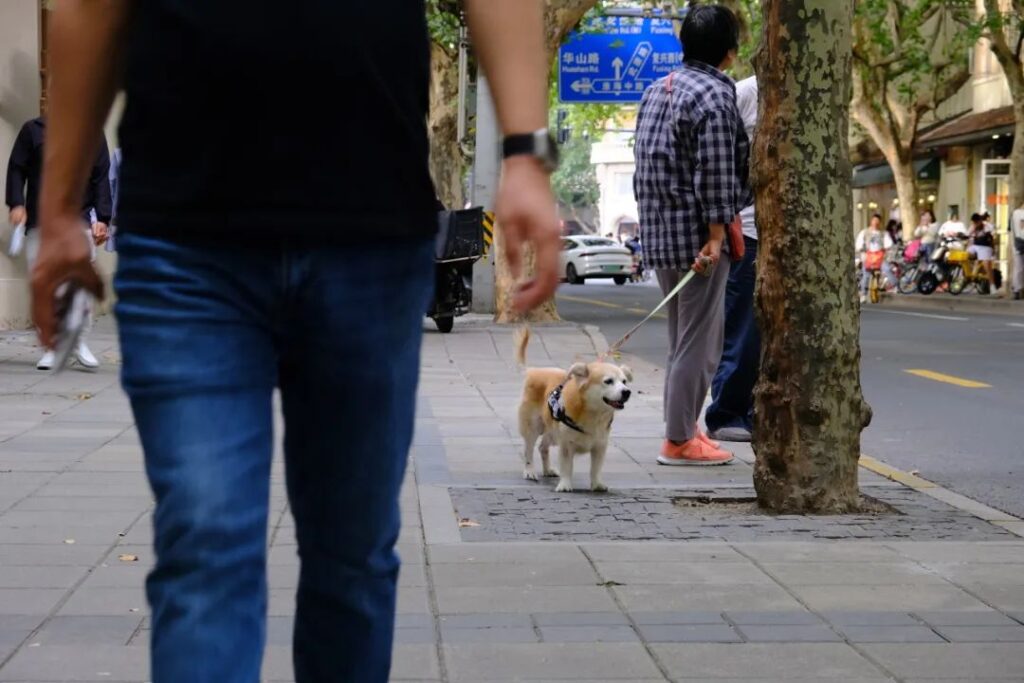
[(504, 580)]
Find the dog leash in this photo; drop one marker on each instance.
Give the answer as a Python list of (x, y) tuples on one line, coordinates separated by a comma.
[(614, 348)]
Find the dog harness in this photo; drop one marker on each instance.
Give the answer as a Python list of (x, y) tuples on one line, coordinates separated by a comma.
[(557, 409)]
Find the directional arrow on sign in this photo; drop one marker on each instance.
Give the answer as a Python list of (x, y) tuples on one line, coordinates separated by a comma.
[(617, 65), (582, 85)]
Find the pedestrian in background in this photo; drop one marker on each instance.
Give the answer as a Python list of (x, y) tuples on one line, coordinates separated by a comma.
[(928, 232), (730, 417), (982, 247), (872, 240), (24, 170), (234, 279), (690, 183)]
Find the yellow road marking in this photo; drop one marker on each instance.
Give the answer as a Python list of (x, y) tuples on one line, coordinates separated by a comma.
[(605, 304), (949, 379), (905, 478), (593, 302)]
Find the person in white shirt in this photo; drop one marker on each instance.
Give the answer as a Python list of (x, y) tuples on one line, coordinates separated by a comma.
[(1017, 225), (954, 227), (873, 239)]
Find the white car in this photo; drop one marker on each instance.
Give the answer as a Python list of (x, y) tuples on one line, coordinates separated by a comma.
[(589, 256)]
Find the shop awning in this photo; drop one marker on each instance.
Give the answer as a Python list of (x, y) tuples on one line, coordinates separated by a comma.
[(881, 174)]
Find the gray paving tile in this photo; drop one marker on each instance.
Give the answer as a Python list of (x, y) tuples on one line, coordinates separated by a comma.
[(588, 634), (106, 601), (789, 633), (495, 634), (523, 599), (689, 633), (414, 620), (951, 660), (46, 576), (765, 661), (677, 617), (580, 619), (772, 617), (413, 636), (494, 620), (859, 618), (88, 630), (983, 634), (890, 634), (29, 601), (78, 663), (552, 661), (966, 618)]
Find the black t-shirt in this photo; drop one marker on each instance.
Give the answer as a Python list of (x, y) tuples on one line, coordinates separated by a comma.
[(260, 117)]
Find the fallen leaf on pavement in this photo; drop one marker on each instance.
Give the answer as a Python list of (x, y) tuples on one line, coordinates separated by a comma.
[(128, 558), (915, 472), (467, 522), (84, 397), (69, 541)]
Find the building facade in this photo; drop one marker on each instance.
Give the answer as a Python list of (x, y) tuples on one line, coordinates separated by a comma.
[(962, 157), (22, 81)]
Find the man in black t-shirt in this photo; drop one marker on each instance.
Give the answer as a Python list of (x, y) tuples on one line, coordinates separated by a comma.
[(275, 231)]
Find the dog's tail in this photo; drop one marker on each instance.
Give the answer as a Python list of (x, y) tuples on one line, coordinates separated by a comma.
[(522, 338)]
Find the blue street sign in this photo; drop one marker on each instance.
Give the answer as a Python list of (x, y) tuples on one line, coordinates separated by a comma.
[(616, 58)]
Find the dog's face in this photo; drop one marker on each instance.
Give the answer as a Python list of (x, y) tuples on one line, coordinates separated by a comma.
[(603, 384)]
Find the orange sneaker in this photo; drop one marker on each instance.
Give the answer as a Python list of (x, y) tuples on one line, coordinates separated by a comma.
[(708, 440), (693, 452)]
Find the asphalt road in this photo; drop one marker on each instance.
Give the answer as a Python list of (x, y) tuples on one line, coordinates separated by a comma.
[(968, 438)]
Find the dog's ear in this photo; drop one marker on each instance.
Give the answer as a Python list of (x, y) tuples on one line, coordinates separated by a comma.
[(579, 371), (628, 372)]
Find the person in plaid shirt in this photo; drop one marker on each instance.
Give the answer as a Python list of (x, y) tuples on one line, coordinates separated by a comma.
[(690, 182)]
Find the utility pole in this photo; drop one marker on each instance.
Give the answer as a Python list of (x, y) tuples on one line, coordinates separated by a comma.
[(486, 166)]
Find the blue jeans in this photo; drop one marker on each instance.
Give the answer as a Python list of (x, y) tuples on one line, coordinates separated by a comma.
[(207, 333), (732, 389)]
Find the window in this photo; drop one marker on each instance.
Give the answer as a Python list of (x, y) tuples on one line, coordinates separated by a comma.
[(622, 184), (598, 242)]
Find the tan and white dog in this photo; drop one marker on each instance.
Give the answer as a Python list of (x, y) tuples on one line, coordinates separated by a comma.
[(572, 410)]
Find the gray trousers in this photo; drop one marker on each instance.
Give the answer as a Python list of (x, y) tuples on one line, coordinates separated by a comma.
[(696, 332), (1018, 271)]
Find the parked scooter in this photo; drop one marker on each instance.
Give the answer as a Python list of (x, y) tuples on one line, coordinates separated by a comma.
[(947, 261), (460, 244)]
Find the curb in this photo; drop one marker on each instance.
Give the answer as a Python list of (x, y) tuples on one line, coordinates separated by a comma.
[(950, 304), (1014, 525)]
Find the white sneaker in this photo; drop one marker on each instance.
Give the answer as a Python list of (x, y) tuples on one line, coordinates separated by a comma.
[(46, 362), (84, 356)]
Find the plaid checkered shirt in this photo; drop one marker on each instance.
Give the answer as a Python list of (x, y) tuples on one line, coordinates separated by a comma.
[(691, 156)]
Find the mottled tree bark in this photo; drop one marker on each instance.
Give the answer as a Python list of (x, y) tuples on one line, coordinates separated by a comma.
[(447, 162), (809, 406), (560, 16)]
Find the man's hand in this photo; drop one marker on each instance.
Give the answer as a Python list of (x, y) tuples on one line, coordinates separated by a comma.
[(64, 256), (18, 215), (525, 209), (713, 248), (100, 233)]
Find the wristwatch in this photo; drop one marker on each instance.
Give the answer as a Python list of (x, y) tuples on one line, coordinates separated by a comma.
[(539, 144)]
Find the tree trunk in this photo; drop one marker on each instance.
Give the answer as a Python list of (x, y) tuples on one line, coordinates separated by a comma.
[(447, 163), (560, 16), (809, 406), (906, 191)]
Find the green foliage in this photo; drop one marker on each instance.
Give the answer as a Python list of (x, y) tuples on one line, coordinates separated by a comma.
[(443, 21), (911, 50), (575, 182)]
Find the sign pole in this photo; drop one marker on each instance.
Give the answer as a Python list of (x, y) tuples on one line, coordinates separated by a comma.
[(484, 189)]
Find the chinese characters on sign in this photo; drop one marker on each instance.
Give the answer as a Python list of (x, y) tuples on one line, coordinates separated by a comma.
[(615, 58)]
